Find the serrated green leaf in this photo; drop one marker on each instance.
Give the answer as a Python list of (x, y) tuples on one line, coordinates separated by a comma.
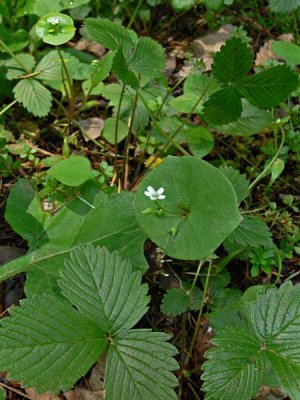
[(111, 35), (284, 6), (182, 5), (251, 231), (268, 88), (143, 363), (238, 181), (103, 288), (102, 68), (148, 59), (47, 344), (50, 67), (235, 366), (33, 96), (223, 106), (176, 301), (251, 121), (14, 70), (233, 61), (74, 171), (122, 70)]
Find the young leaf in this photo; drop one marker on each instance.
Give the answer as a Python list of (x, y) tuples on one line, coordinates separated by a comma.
[(103, 288), (122, 70), (235, 366), (148, 58), (268, 88), (238, 181), (74, 171), (142, 362), (199, 201), (251, 231), (34, 96), (223, 106), (233, 61), (175, 302), (47, 344), (284, 6)]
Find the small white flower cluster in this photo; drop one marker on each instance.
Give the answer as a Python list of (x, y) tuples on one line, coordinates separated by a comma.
[(54, 20), (155, 194)]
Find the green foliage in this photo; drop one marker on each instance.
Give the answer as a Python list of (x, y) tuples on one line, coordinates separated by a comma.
[(200, 140), (74, 171), (187, 227), (238, 181), (40, 346), (265, 89), (289, 52), (2, 394), (284, 6), (235, 366), (176, 301), (41, 7), (111, 223), (55, 28), (33, 96), (182, 5)]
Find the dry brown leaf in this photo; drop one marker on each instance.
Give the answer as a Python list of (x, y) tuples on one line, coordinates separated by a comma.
[(91, 127), (90, 46), (265, 52), (97, 375), (267, 393), (35, 396)]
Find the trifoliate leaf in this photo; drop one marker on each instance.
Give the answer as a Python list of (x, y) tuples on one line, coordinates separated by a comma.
[(74, 171), (102, 68), (55, 28), (233, 61), (289, 52), (235, 366), (251, 231), (223, 106), (199, 201), (251, 121), (139, 367), (148, 59), (268, 88), (103, 288), (14, 69), (238, 181), (175, 302), (33, 96), (284, 6), (48, 345)]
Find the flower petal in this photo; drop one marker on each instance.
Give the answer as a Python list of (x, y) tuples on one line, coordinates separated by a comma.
[(151, 189), (160, 190), (161, 196)]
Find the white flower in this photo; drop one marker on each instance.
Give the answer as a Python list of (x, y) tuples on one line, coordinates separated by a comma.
[(54, 20), (155, 194)]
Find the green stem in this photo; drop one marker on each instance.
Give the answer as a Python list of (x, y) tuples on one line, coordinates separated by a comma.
[(125, 163), (132, 19), (167, 137), (296, 28), (269, 165), (66, 72), (14, 57), (8, 107), (203, 299), (195, 277), (117, 126), (168, 94)]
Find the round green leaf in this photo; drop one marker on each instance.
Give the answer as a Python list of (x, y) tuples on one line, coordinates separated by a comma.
[(198, 212), (55, 28)]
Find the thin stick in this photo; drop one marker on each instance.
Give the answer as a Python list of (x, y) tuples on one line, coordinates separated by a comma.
[(8, 107), (12, 389)]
